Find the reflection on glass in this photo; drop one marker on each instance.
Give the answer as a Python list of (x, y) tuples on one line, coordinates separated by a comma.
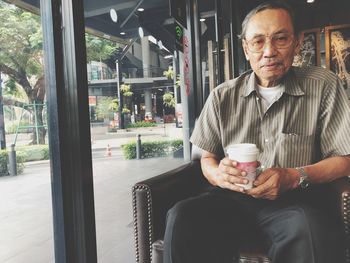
[(136, 117), (25, 204)]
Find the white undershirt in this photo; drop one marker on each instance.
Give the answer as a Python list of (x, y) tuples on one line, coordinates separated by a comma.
[(269, 94)]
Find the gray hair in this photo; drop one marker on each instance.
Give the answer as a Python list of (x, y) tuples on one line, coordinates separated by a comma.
[(265, 6)]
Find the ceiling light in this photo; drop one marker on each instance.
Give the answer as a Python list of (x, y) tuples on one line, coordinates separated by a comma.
[(114, 15), (168, 56), (122, 33), (160, 44), (140, 9), (310, 1), (141, 32), (153, 40), (202, 19)]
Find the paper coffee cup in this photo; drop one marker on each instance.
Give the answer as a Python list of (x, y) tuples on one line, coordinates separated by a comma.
[(246, 155)]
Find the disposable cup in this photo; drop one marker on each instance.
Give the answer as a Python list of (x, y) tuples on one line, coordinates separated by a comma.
[(246, 156)]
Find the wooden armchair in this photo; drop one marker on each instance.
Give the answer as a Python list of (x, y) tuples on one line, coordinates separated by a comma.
[(153, 197)]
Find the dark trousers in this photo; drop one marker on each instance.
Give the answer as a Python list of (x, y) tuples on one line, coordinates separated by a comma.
[(211, 227)]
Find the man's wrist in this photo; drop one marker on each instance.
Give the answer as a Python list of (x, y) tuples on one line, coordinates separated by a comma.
[(304, 180)]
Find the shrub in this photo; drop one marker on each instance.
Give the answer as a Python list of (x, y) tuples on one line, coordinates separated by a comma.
[(4, 159), (34, 152), (151, 149), (141, 124)]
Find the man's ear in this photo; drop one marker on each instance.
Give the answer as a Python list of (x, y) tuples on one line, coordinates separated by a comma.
[(245, 49)]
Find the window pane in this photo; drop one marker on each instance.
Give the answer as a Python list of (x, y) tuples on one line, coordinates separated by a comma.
[(25, 204), (134, 94)]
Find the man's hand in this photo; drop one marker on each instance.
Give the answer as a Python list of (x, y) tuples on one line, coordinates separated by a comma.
[(271, 183), (227, 175), (222, 172)]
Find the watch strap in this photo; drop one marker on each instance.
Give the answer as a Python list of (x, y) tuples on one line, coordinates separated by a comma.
[(303, 179)]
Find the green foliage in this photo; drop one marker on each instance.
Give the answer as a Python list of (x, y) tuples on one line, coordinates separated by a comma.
[(34, 152), (105, 107), (21, 41), (21, 56), (169, 73), (20, 159), (141, 124), (151, 149), (178, 81), (126, 90), (114, 105), (169, 100), (98, 49), (125, 110), (4, 159), (3, 162)]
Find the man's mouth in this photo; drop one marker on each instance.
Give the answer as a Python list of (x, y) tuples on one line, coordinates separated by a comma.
[(271, 65)]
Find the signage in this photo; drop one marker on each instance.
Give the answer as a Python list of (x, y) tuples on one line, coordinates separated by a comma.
[(179, 35), (92, 100), (178, 11)]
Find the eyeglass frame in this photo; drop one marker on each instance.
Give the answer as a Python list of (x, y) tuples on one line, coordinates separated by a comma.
[(270, 37)]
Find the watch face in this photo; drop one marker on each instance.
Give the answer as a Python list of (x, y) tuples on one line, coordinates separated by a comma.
[(304, 183)]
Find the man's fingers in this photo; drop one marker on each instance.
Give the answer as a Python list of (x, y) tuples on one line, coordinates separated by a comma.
[(233, 171), (234, 179), (233, 187), (267, 190), (228, 162), (258, 191), (263, 177)]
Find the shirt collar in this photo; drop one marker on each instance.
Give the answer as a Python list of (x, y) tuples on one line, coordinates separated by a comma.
[(290, 83)]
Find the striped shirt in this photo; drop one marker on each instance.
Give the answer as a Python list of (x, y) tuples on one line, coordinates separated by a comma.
[(308, 121)]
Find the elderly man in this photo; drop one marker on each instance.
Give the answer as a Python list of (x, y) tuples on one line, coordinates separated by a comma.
[(299, 119)]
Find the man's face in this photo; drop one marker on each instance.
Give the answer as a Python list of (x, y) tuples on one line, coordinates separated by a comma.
[(272, 61)]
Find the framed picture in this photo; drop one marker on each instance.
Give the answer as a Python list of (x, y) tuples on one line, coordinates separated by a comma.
[(309, 53), (338, 52)]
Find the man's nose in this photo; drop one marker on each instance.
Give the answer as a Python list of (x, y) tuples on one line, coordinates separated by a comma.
[(269, 49)]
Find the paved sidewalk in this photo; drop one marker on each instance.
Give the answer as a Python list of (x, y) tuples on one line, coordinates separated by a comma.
[(26, 206), (100, 138)]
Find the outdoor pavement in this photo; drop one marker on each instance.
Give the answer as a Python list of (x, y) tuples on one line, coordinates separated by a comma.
[(26, 209), (100, 138)]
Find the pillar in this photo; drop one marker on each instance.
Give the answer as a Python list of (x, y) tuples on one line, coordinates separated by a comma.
[(148, 104), (145, 57)]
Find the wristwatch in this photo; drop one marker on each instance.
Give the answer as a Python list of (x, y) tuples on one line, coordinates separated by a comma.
[(303, 179)]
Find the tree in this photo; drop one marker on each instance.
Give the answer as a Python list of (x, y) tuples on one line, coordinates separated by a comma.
[(99, 49), (106, 106), (21, 58)]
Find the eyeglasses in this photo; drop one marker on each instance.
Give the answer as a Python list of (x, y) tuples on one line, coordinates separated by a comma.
[(279, 41)]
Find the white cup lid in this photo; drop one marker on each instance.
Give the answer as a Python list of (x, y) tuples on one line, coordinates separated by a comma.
[(248, 148), (243, 152)]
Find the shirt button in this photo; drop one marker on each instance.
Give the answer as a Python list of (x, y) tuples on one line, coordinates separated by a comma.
[(266, 140)]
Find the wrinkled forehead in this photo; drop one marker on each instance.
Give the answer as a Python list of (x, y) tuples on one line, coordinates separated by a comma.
[(269, 22)]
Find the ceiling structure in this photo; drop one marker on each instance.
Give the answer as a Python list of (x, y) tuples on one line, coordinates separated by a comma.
[(156, 21)]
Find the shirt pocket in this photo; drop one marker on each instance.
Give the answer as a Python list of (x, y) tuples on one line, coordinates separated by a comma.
[(295, 150)]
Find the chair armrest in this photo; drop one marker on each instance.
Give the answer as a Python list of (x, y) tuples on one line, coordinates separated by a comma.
[(152, 198), (341, 198)]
